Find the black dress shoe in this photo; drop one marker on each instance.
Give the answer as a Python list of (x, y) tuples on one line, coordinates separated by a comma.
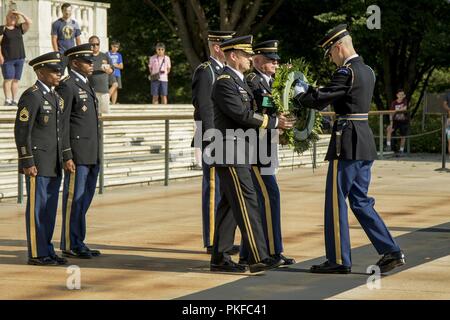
[(266, 264), (94, 253), (328, 267), (286, 261), (243, 261), (227, 266), (43, 261), (78, 253), (59, 260), (390, 261), (235, 249)]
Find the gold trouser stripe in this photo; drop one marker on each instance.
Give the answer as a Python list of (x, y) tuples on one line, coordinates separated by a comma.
[(337, 233), (245, 217), (212, 203), (262, 185), (72, 177), (32, 195)]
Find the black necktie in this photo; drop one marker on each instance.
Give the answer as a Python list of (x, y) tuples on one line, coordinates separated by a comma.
[(54, 96)]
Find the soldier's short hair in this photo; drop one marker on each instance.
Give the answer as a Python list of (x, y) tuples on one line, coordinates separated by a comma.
[(65, 5)]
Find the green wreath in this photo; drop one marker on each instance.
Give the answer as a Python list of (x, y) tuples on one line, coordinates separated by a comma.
[(309, 122)]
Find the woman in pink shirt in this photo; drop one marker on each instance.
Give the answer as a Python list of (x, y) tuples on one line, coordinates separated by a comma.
[(159, 67)]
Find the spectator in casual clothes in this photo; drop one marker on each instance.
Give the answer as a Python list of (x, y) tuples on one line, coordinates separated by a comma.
[(99, 79), (398, 121), (12, 55), (447, 129), (159, 67), (65, 33), (115, 78)]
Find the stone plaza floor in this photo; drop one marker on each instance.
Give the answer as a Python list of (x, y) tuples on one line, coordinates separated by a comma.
[(151, 243)]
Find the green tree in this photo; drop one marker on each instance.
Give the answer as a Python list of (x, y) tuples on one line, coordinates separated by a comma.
[(413, 41), (191, 20)]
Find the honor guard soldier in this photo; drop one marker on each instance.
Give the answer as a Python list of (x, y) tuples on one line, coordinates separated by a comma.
[(235, 114), (80, 152), (265, 63), (39, 136), (202, 82), (350, 154)]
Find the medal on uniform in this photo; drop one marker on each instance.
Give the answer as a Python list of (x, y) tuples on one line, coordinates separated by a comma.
[(46, 119), (84, 108), (61, 103)]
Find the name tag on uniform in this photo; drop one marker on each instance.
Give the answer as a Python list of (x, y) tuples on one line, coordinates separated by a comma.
[(46, 106), (243, 93)]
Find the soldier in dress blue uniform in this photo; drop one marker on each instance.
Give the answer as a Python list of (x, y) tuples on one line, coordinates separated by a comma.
[(202, 82), (235, 114), (39, 135), (351, 154), (80, 151), (265, 63)]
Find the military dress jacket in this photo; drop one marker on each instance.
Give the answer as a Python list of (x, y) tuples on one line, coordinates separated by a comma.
[(202, 83), (260, 89), (81, 135), (350, 92), (235, 114), (38, 131)]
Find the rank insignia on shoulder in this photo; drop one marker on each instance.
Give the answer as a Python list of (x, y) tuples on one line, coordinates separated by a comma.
[(205, 65), (251, 76), (343, 70), (24, 114), (224, 76)]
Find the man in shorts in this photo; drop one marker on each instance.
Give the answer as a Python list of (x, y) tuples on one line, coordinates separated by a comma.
[(398, 121)]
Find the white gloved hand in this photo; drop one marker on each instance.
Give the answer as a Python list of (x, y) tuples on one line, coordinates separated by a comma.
[(300, 87)]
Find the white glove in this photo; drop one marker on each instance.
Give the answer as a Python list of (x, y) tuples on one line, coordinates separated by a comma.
[(300, 87)]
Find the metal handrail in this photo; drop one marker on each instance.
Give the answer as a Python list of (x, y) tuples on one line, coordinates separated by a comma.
[(186, 116)]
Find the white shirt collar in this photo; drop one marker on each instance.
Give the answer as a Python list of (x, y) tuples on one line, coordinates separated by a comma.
[(349, 58), (238, 73), (217, 61), (46, 88), (80, 76), (265, 76)]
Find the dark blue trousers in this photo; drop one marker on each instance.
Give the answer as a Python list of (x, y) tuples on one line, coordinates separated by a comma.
[(40, 215), (351, 179), (210, 201), (79, 189), (269, 202)]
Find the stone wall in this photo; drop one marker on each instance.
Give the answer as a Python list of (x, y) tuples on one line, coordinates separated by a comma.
[(92, 17)]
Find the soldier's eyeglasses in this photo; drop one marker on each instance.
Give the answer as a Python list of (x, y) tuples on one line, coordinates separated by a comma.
[(95, 44)]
